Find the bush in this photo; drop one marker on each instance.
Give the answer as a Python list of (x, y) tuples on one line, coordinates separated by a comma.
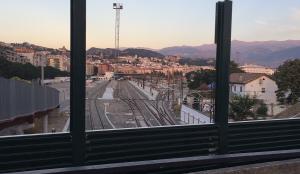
[(262, 110), (241, 107)]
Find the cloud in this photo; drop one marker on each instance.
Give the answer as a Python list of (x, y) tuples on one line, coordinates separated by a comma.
[(260, 22)]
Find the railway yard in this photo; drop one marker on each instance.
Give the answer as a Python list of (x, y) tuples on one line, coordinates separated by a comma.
[(119, 104)]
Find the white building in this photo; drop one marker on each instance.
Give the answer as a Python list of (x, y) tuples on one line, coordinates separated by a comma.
[(60, 62), (109, 75), (28, 55), (259, 86), (40, 58), (250, 68)]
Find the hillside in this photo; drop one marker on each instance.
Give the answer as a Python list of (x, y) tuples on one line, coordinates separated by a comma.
[(27, 71), (141, 53), (36, 47), (110, 53), (244, 52)]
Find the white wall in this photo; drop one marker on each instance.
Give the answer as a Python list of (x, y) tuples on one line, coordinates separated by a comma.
[(255, 88), (191, 116), (238, 89)]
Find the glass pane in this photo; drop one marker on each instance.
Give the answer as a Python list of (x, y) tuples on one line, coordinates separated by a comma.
[(149, 63), (266, 47), (34, 66)]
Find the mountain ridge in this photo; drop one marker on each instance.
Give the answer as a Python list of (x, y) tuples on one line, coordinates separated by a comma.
[(258, 52)]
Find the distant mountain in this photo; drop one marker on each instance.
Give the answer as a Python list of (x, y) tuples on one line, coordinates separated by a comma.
[(141, 53), (184, 51), (109, 53), (260, 52), (286, 54)]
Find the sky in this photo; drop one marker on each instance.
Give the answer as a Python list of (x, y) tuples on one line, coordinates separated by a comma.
[(147, 23)]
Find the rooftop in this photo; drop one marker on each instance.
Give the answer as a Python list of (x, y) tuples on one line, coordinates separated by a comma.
[(244, 78)]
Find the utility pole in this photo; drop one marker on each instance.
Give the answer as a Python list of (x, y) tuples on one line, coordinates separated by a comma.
[(181, 88), (168, 86), (42, 63), (143, 81)]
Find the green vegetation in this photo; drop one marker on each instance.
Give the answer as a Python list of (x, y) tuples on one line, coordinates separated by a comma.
[(27, 71), (234, 68), (109, 53), (243, 107), (202, 77), (206, 77), (240, 107), (287, 78), (262, 110)]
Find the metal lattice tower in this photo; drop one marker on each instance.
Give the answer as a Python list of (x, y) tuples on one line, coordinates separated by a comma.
[(118, 7)]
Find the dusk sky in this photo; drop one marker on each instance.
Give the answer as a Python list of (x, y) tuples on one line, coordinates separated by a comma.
[(147, 23)]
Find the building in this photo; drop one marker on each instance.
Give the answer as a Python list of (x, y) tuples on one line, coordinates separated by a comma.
[(174, 59), (40, 58), (109, 75), (90, 69), (25, 52), (250, 68), (60, 62), (7, 51), (103, 68), (259, 86)]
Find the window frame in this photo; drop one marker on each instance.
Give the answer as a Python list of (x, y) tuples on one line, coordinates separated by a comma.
[(78, 134)]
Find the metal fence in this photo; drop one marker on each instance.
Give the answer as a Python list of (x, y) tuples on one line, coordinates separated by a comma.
[(20, 98)]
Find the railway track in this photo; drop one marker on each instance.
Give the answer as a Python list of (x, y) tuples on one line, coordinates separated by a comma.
[(92, 103), (160, 112), (132, 105), (140, 102)]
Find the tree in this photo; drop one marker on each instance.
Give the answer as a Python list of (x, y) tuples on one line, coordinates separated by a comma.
[(287, 78), (234, 68), (197, 78), (27, 71), (241, 107), (262, 110)]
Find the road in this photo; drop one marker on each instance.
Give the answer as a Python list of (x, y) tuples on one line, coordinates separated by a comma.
[(127, 107)]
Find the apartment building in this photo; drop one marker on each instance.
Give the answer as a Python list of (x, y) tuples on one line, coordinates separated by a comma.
[(7, 51), (60, 62)]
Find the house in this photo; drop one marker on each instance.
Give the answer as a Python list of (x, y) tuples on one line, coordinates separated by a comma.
[(255, 85)]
